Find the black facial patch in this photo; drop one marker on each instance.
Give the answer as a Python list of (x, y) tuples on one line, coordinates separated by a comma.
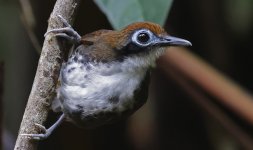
[(132, 48)]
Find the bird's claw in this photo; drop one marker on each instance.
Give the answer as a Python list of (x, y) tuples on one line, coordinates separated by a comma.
[(40, 136), (46, 132), (41, 127), (36, 136), (66, 32), (64, 21)]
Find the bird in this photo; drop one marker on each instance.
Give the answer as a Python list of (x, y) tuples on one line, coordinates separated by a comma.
[(107, 73)]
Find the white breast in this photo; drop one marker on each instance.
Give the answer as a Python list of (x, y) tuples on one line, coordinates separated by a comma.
[(93, 84), (93, 87)]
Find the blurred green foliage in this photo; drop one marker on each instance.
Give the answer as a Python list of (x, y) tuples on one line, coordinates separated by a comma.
[(123, 12), (239, 15)]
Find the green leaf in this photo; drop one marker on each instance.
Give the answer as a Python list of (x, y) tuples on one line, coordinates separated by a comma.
[(123, 12), (155, 10)]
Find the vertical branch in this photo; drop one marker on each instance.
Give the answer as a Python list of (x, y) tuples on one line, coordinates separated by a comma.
[(46, 76)]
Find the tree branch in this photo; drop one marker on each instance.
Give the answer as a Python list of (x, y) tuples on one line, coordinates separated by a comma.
[(208, 78), (208, 106), (46, 76), (28, 19)]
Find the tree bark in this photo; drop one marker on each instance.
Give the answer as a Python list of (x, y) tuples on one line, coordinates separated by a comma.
[(46, 77)]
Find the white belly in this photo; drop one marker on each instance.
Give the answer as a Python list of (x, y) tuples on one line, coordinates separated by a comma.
[(99, 87)]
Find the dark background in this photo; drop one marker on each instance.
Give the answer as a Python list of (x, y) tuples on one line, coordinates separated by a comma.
[(221, 32)]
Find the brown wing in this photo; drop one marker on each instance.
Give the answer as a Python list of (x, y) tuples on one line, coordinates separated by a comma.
[(90, 38), (95, 45)]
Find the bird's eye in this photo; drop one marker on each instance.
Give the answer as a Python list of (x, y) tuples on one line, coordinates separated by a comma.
[(143, 37)]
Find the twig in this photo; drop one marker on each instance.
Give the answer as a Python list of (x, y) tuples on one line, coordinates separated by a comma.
[(32, 36), (27, 11), (28, 20), (46, 76), (216, 84), (207, 106)]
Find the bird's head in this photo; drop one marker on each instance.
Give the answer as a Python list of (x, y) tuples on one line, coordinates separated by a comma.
[(143, 41), (145, 36)]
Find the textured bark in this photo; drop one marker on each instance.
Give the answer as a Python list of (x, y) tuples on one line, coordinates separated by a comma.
[(46, 77)]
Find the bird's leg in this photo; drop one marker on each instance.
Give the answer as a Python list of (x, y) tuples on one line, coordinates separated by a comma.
[(66, 32), (47, 132)]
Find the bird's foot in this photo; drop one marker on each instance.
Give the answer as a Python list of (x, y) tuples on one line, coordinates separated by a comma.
[(45, 132), (66, 32)]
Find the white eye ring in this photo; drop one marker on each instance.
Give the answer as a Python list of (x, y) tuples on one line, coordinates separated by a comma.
[(135, 37)]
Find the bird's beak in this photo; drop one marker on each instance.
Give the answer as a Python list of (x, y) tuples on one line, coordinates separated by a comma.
[(174, 41)]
